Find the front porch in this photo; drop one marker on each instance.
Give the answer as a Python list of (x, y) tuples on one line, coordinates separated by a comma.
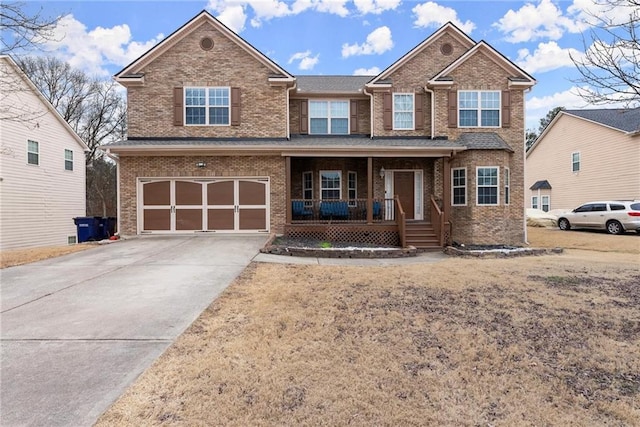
[(397, 204)]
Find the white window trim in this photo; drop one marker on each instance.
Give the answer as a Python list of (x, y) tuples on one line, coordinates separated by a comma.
[(534, 204), (206, 106), (66, 150), (573, 162), (352, 202), (339, 172), (497, 203), (37, 153), (304, 189), (507, 186), (548, 203), (466, 195), (479, 109), (329, 101), (413, 111)]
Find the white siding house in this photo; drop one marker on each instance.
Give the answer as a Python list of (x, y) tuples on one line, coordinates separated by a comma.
[(585, 155), (42, 167)]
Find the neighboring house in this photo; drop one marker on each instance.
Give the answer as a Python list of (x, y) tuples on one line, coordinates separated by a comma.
[(42, 166), (223, 139), (585, 155)]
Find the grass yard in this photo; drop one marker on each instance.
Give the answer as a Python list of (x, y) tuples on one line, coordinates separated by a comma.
[(549, 340), (11, 258)]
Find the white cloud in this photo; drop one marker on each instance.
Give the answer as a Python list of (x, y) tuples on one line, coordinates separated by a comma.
[(533, 22), (375, 7), (547, 56), (93, 50), (378, 41), (373, 71), (307, 62), (431, 14), (234, 13), (590, 12)]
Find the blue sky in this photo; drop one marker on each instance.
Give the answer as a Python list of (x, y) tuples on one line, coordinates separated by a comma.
[(338, 36)]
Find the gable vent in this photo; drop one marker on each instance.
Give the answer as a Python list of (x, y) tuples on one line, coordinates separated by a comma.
[(446, 49), (206, 43)]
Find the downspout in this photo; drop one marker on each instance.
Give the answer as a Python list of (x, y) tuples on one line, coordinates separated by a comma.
[(371, 112), (524, 164), (288, 127), (433, 111), (116, 159)]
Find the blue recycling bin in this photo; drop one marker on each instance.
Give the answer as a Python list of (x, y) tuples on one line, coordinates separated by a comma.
[(88, 228)]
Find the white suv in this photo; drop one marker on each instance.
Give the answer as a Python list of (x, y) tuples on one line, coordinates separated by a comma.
[(614, 216)]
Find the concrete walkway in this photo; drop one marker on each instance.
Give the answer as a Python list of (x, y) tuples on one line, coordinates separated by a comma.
[(75, 331)]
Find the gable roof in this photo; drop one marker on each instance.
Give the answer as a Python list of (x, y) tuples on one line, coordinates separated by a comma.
[(21, 74), (520, 77), (132, 71), (622, 119), (448, 27), (541, 185), (332, 84)]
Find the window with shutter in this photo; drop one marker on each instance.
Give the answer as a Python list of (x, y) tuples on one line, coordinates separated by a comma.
[(387, 113), (210, 106), (304, 116), (452, 108)]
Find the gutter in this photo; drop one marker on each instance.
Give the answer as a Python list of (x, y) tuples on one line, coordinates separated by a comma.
[(288, 126), (371, 112)]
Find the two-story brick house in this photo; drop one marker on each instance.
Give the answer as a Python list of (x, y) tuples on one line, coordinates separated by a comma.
[(223, 139)]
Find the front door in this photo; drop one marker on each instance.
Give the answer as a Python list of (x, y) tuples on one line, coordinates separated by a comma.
[(403, 187), (408, 186)]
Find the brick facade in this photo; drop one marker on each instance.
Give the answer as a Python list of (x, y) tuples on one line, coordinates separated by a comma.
[(264, 108)]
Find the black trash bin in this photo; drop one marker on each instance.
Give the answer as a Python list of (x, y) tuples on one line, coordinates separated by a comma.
[(107, 226), (88, 228)]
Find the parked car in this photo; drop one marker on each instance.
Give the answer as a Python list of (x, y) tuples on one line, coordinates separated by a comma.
[(614, 216)]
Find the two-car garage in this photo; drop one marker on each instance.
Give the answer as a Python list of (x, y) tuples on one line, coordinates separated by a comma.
[(183, 205)]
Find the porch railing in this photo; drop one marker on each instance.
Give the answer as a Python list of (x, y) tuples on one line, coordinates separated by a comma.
[(401, 220), (437, 220), (340, 211)]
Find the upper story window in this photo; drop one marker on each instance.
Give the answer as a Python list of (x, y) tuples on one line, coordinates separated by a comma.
[(575, 162), (68, 160), (403, 111), (487, 185), (329, 117), (33, 153), (479, 108), (207, 106)]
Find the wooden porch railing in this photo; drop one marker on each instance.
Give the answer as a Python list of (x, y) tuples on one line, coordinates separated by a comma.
[(437, 220), (401, 221)]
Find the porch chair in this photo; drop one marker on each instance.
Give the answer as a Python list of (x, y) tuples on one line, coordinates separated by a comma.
[(334, 209), (300, 210)]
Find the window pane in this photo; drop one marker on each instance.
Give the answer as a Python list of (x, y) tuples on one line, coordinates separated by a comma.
[(219, 97), (468, 118), (490, 118), (403, 121), (403, 102), (340, 126), (468, 99), (32, 158), (195, 96), (319, 126), (195, 116), (490, 100), (32, 146), (318, 109), (218, 116), (459, 196), (339, 109), (487, 195), (68, 160)]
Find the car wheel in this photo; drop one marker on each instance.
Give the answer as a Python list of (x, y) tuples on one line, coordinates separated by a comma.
[(614, 227), (563, 224)]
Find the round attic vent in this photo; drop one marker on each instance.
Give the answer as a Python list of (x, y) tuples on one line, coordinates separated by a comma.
[(206, 43), (446, 49)]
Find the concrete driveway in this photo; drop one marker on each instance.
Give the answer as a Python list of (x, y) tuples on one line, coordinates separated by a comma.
[(75, 331)]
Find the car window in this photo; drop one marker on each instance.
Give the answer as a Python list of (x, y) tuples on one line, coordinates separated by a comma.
[(616, 207), (635, 206), (583, 208), (598, 207)]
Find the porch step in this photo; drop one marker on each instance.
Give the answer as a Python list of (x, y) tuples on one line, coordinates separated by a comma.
[(421, 235)]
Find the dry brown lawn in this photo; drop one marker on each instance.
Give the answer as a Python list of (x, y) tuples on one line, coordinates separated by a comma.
[(548, 340), (15, 257)]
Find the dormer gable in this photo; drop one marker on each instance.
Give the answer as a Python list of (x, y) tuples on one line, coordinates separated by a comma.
[(133, 73), (518, 77)]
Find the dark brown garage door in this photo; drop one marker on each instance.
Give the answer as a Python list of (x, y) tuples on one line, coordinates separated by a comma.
[(224, 205)]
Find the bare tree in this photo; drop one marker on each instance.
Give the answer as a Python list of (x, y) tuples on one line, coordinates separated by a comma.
[(21, 30), (610, 67), (101, 188)]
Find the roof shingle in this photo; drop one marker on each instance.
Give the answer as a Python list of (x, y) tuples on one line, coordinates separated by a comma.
[(624, 119)]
